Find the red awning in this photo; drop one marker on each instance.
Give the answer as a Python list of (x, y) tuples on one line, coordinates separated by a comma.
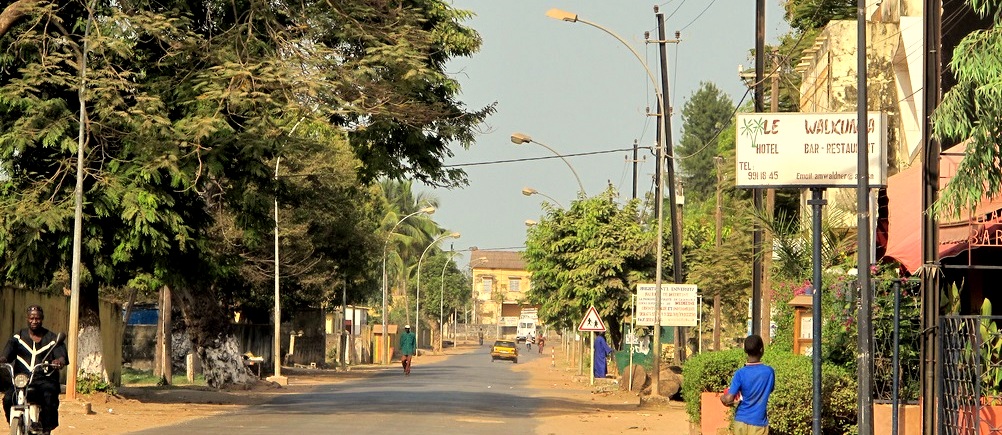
[(904, 214)]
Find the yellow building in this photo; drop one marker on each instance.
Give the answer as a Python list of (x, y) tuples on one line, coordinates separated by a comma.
[(500, 283)]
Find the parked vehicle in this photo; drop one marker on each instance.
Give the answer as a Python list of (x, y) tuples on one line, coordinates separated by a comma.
[(527, 323), (506, 350)]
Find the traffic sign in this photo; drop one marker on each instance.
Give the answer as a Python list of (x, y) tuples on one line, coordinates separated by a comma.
[(591, 322)]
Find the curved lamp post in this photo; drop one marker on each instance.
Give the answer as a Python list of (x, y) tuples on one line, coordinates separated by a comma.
[(662, 147), (386, 336), (531, 223), (441, 303), (528, 191), (521, 138), (417, 311)]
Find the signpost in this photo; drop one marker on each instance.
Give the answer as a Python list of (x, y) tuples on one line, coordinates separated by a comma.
[(679, 304), (592, 323), (815, 151)]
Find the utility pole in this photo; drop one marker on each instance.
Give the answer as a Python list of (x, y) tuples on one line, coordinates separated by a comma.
[(719, 161), (864, 360), (756, 298), (770, 209), (669, 155)]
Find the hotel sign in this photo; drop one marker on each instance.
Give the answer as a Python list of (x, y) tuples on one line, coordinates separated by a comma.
[(807, 149)]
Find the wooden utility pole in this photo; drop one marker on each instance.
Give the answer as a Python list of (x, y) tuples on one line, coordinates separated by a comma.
[(770, 210), (163, 357), (716, 297)]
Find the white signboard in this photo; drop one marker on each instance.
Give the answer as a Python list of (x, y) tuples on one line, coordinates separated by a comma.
[(678, 305), (808, 149)]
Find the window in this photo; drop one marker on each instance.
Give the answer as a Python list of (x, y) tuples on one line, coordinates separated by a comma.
[(513, 284), (485, 287)]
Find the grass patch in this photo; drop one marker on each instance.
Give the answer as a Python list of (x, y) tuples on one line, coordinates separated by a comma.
[(145, 377)]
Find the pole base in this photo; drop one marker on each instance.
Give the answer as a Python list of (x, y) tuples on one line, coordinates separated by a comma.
[(280, 380)]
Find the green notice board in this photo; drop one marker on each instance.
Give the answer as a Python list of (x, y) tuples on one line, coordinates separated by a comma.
[(639, 358)]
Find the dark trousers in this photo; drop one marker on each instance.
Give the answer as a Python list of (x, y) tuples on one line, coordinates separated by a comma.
[(47, 396)]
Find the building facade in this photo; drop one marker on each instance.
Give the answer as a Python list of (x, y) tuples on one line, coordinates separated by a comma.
[(500, 283)]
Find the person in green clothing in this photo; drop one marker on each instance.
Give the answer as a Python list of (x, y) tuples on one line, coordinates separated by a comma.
[(408, 346)]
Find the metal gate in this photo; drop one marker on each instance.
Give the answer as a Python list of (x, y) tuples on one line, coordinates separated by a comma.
[(971, 375)]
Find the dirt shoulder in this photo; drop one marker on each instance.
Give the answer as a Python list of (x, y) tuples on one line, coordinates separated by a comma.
[(576, 407)]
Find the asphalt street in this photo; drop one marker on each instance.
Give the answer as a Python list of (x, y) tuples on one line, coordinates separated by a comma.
[(464, 394)]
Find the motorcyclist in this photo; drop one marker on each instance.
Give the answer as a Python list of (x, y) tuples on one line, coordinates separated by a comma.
[(29, 347)]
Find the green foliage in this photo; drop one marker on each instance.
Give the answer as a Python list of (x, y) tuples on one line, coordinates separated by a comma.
[(708, 372), (971, 111), (790, 411), (591, 254), (705, 114), (805, 15), (991, 354), (88, 383)]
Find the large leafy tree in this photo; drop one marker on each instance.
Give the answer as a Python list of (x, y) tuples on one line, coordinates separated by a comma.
[(409, 239), (190, 103), (705, 114), (805, 15), (591, 254), (972, 111)]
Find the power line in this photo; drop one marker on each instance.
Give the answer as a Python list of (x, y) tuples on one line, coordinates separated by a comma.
[(530, 159)]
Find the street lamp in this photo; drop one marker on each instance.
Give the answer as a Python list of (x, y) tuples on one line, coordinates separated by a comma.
[(531, 223), (473, 292), (662, 147), (386, 335), (528, 191), (441, 304), (521, 138), (417, 310)]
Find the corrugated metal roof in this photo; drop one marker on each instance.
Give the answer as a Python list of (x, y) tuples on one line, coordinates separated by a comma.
[(507, 260)]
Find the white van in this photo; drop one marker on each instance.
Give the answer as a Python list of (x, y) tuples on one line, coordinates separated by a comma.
[(526, 327)]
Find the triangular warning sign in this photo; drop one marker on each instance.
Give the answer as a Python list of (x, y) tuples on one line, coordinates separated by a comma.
[(591, 322)]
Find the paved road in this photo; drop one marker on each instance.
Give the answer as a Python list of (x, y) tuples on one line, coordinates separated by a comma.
[(466, 394)]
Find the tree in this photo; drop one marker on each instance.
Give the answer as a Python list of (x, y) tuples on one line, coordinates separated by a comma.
[(190, 105), (972, 111), (705, 114), (805, 15), (412, 235), (591, 254)]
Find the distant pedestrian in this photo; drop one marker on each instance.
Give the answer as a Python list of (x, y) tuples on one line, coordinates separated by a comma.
[(540, 343), (408, 346), (750, 390), (480, 335), (602, 352)]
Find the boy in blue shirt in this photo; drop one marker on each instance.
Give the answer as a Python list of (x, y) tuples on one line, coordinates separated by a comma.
[(750, 390)]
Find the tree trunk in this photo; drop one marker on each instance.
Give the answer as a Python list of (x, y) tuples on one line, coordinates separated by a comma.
[(212, 335), (90, 351)]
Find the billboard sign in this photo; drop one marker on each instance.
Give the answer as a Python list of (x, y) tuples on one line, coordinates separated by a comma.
[(679, 306), (807, 149)]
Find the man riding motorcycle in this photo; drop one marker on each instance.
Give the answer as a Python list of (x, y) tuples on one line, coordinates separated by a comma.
[(24, 350)]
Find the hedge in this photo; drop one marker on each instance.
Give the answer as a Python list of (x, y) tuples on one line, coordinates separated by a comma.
[(790, 410)]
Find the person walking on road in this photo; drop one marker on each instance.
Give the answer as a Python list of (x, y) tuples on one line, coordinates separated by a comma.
[(750, 390), (540, 343), (408, 347), (602, 352)]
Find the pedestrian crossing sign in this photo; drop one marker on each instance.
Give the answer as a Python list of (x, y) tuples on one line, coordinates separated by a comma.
[(591, 322)]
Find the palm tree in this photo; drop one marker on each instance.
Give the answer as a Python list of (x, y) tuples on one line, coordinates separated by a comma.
[(411, 236)]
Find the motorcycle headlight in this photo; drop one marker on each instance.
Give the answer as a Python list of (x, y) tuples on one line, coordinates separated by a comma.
[(21, 380)]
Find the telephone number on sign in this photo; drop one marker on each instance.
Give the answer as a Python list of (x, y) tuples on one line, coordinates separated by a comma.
[(763, 175)]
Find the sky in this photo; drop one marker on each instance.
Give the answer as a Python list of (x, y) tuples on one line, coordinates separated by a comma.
[(577, 90)]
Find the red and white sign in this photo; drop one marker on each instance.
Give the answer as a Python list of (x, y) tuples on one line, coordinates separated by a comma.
[(591, 322)]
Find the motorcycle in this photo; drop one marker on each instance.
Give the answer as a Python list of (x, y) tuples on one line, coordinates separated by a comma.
[(24, 415)]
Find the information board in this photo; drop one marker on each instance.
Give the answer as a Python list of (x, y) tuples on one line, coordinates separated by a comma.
[(679, 304), (807, 149)]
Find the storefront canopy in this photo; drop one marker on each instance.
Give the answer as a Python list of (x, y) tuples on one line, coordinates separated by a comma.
[(904, 214)]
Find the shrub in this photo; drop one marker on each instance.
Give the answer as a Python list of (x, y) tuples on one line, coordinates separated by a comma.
[(88, 383), (790, 410), (708, 372)]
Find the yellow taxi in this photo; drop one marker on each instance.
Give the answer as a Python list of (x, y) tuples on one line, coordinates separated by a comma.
[(504, 349)]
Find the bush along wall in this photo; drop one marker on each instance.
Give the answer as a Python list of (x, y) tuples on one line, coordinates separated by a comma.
[(790, 410)]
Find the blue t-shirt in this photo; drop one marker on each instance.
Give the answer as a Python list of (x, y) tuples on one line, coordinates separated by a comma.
[(754, 382)]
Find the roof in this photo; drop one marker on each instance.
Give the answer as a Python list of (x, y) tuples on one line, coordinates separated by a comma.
[(507, 260), (904, 214)]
